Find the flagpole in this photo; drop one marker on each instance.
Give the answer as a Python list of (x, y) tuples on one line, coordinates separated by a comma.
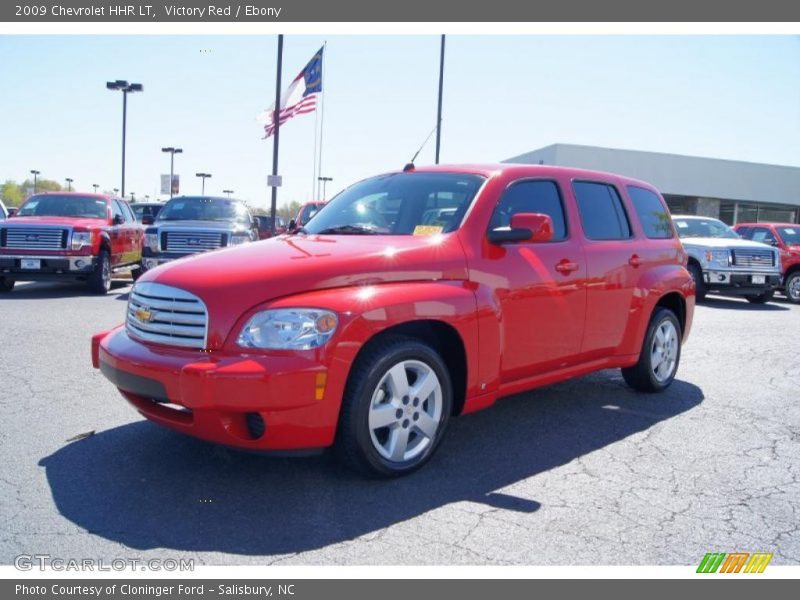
[(439, 115), (321, 113), (314, 160), (277, 122)]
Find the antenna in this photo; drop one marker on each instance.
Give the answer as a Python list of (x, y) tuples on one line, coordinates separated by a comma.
[(410, 165)]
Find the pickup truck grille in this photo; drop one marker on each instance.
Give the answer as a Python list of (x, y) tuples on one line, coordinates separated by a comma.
[(753, 258), (167, 315), (33, 238), (191, 241)]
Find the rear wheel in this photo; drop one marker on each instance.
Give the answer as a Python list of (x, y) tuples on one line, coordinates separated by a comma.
[(792, 287), (395, 409), (100, 280), (700, 289), (660, 355), (6, 284), (136, 272), (761, 298)]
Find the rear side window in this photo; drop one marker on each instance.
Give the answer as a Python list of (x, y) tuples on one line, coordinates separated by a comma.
[(653, 216), (602, 214), (531, 197)]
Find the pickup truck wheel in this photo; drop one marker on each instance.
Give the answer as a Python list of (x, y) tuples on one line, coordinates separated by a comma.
[(6, 284), (137, 272), (660, 355), (699, 285), (761, 298), (395, 408), (792, 287), (100, 280)]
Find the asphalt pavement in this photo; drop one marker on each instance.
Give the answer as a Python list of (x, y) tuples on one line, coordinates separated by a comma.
[(585, 472)]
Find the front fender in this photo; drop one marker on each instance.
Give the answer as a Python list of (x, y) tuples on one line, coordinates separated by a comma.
[(366, 311)]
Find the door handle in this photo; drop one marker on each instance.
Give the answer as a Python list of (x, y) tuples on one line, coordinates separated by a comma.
[(565, 267), (635, 260)]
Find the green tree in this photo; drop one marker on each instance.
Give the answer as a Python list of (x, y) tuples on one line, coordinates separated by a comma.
[(14, 193), (289, 211)]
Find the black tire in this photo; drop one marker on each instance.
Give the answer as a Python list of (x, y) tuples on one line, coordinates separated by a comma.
[(100, 280), (136, 272), (761, 298), (700, 289), (6, 285), (354, 444), (792, 287), (642, 376)]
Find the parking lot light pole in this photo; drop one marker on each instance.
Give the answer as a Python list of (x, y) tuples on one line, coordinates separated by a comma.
[(69, 183), (203, 176), (116, 190), (35, 173), (172, 152), (124, 87), (324, 181), (95, 186), (229, 192)]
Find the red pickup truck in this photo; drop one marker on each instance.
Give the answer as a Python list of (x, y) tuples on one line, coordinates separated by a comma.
[(411, 297), (786, 238), (70, 236)]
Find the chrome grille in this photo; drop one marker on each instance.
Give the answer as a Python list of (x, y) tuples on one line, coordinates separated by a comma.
[(167, 315), (35, 238), (192, 241), (753, 258)]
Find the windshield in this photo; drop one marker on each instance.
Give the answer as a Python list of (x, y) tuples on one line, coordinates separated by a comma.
[(64, 206), (399, 204), (205, 209), (141, 210), (706, 228), (790, 235)]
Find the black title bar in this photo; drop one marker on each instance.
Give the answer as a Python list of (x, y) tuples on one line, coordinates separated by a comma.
[(464, 11)]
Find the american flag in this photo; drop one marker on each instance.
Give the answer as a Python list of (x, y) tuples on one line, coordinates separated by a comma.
[(299, 98)]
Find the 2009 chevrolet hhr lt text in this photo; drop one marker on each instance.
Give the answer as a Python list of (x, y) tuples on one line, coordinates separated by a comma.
[(411, 297)]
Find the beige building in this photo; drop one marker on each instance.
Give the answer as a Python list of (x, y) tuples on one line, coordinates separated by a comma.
[(730, 190)]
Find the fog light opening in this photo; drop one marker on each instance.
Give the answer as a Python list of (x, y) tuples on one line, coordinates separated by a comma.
[(256, 426)]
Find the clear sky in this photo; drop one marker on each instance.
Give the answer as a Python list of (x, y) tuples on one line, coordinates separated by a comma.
[(720, 96)]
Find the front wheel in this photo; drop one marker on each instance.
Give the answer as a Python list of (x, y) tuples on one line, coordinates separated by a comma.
[(100, 280), (792, 287), (395, 409), (761, 298), (700, 289), (6, 284), (660, 355)]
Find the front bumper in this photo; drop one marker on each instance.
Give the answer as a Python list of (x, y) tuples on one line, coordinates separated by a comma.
[(46, 267), (256, 402), (741, 283)]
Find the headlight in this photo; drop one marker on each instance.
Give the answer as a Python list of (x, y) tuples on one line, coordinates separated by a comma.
[(81, 239), (720, 257), (151, 241), (239, 238), (288, 329)]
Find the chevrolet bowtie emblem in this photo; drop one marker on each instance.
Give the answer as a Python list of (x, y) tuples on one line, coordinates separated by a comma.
[(145, 315)]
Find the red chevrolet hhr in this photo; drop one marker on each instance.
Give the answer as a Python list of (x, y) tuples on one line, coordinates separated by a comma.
[(409, 298)]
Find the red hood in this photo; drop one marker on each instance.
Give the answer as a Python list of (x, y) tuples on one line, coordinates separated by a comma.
[(78, 222), (234, 280)]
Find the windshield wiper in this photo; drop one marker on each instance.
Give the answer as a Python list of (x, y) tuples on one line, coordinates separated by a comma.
[(349, 230)]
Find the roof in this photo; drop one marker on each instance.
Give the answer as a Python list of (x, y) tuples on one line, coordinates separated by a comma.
[(517, 169)]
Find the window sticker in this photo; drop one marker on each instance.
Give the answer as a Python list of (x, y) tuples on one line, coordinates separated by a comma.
[(428, 229), (178, 206), (682, 224), (790, 231)]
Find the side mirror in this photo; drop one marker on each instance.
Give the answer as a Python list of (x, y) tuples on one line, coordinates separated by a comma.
[(525, 227), (292, 225), (148, 220), (118, 220)]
